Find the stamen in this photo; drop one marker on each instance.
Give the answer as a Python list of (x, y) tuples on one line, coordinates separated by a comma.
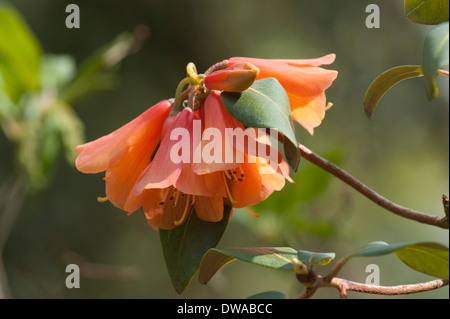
[(252, 212), (164, 197), (102, 199), (233, 202), (193, 200), (228, 175), (172, 194), (177, 195), (183, 217), (241, 171)]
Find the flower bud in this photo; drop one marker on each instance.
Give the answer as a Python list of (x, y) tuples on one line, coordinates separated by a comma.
[(236, 78)]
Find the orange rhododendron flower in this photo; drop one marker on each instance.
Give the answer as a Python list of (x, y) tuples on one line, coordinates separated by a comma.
[(124, 153), (251, 180), (177, 158), (304, 81), (141, 171), (168, 190)]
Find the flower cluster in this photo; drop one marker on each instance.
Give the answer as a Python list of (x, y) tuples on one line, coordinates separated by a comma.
[(139, 158)]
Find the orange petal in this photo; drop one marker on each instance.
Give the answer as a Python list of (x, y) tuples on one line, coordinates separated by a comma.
[(325, 60), (308, 111), (247, 191), (97, 155), (304, 82), (209, 209), (150, 200), (215, 117), (163, 171)]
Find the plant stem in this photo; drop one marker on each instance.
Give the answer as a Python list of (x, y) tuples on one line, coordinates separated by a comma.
[(177, 107), (218, 66), (346, 285), (370, 194), (443, 72), (7, 219)]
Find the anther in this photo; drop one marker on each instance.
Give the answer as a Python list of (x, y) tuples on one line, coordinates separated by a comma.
[(165, 193), (233, 202), (241, 171), (228, 175)]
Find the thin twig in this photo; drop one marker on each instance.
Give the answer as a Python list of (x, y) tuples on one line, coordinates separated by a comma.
[(370, 194), (346, 285)]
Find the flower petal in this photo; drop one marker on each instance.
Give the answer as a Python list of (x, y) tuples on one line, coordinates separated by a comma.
[(209, 209), (247, 191), (216, 118), (304, 82), (164, 170), (97, 155)]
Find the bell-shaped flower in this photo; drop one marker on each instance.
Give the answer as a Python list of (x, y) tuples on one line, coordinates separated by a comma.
[(124, 153), (304, 81)]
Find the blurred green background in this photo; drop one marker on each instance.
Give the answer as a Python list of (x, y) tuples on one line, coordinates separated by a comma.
[(402, 153)]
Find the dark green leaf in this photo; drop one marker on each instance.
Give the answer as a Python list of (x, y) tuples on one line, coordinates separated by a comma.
[(20, 54), (184, 246), (269, 295), (427, 11), (272, 257), (265, 104), (435, 56), (385, 81), (292, 154), (314, 258)]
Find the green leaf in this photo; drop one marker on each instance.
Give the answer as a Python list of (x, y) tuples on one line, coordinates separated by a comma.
[(376, 248), (269, 295), (272, 257), (184, 246), (265, 104), (20, 54), (96, 73), (386, 81), (427, 11), (292, 154), (70, 129), (435, 56), (429, 258), (56, 71), (314, 258)]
